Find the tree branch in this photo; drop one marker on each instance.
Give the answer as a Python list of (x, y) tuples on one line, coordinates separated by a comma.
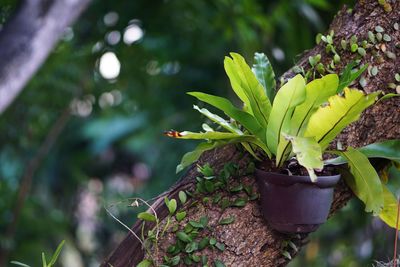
[(249, 240), (28, 38)]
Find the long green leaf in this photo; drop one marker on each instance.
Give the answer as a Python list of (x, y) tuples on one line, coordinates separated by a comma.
[(317, 92), (364, 181), (194, 155), (56, 254), (206, 135), (264, 72), (20, 264), (244, 118), (389, 211), (328, 121), (348, 75), (218, 120), (389, 149), (308, 153), (246, 82), (236, 83), (288, 97)]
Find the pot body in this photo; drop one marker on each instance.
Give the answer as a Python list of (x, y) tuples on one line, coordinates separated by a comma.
[(294, 204)]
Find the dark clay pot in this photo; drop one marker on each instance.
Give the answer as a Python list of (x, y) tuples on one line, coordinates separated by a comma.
[(294, 204)]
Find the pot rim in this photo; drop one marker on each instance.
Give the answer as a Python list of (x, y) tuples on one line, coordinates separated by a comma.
[(288, 180)]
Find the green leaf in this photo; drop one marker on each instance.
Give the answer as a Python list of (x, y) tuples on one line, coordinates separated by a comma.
[(204, 243), (389, 211), (239, 202), (44, 262), (308, 153), (145, 216), (194, 155), (264, 72), (182, 197), (328, 121), (245, 82), (286, 254), (389, 149), (180, 216), (348, 75), (183, 237), (204, 221), (206, 135), (317, 92), (288, 97), (387, 96), (244, 118), (219, 263), (171, 205), (192, 246), (56, 254), (220, 246), (144, 263), (175, 260), (218, 120), (20, 263), (213, 241), (196, 224), (364, 181), (227, 220)]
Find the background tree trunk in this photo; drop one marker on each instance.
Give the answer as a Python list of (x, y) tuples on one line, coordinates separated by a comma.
[(28, 38), (249, 241)]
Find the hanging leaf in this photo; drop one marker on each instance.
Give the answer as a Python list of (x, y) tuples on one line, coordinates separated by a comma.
[(389, 211), (288, 97), (328, 121), (363, 181), (389, 149), (348, 75), (308, 153), (264, 72), (244, 118), (247, 84), (317, 92)]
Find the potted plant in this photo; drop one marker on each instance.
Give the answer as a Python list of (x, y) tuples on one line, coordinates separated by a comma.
[(287, 132)]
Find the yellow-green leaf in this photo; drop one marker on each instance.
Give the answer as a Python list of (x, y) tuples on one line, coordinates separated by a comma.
[(364, 181), (145, 216), (308, 153), (389, 211), (251, 92), (328, 121), (288, 97), (317, 92)]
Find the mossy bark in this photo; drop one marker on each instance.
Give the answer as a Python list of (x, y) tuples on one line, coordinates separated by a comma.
[(249, 241)]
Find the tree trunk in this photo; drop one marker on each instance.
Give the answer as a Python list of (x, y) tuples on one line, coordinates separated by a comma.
[(249, 241), (28, 38)]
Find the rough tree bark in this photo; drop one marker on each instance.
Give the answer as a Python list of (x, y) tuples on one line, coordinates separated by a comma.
[(249, 241), (28, 38)]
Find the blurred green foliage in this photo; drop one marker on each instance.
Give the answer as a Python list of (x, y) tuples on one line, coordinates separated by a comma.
[(112, 146)]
